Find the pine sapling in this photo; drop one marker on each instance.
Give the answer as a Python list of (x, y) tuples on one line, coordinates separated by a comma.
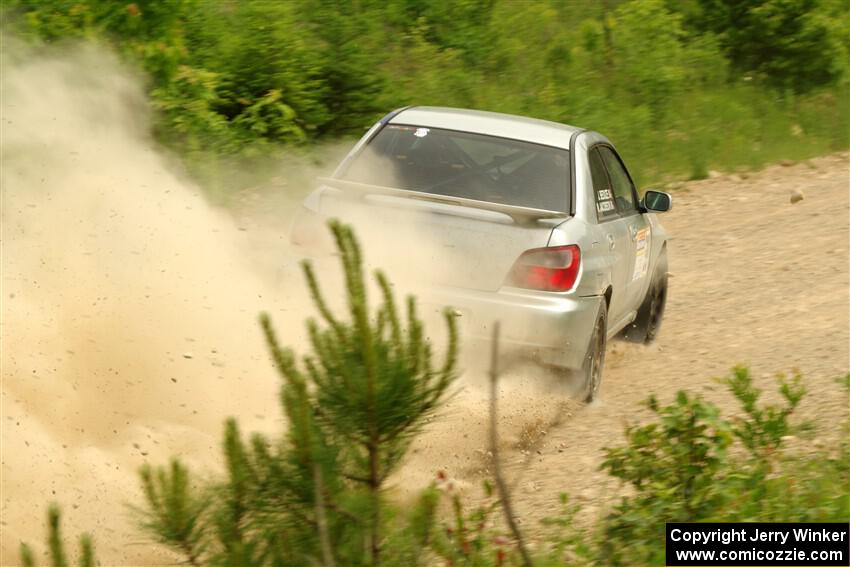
[(56, 546), (369, 384)]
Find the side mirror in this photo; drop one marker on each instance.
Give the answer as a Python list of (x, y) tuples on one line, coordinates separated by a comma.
[(657, 201)]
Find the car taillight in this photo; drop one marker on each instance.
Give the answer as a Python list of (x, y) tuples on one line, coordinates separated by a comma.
[(547, 269)]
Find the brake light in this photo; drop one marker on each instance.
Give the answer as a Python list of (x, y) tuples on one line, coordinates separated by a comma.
[(547, 269)]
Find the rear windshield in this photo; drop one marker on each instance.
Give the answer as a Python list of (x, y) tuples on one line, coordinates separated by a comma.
[(461, 164)]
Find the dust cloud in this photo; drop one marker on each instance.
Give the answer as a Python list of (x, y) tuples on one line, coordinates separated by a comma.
[(129, 309), (129, 306)]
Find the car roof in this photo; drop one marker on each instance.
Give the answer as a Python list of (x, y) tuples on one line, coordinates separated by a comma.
[(489, 123)]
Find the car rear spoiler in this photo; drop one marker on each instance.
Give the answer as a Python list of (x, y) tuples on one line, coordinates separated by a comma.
[(520, 215)]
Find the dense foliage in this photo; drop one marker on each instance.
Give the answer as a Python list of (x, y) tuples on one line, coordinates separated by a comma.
[(679, 86)]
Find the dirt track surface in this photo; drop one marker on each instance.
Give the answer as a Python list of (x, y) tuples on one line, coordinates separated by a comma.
[(755, 280), (129, 320)]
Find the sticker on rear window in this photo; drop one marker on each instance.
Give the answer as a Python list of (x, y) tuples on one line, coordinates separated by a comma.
[(605, 206), (421, 132)]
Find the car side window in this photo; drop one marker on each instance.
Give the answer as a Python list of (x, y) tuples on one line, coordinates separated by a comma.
[(624, 191), (605, 208)]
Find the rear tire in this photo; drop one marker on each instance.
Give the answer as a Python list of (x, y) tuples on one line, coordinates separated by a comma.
[(644, 329), (594, 359)]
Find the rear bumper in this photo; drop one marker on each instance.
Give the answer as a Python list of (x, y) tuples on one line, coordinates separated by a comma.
[(552, 329)]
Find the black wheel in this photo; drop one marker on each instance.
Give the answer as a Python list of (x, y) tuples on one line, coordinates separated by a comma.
[(594, 360), (644, 329)]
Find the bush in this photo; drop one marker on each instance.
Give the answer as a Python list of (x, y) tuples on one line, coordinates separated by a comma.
[(695, 465)]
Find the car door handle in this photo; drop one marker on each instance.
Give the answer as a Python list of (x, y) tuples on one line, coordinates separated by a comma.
[(633, 231), (611, 242)]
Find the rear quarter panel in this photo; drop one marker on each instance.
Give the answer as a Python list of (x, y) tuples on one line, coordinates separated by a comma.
[(584, 230)]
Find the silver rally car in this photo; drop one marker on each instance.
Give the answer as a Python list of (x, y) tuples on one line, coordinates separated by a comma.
[(539, 223)]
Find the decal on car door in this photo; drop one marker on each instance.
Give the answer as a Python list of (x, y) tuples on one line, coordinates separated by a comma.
[(641, 253)]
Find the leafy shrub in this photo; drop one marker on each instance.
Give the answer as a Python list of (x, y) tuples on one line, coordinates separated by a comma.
[(688, 467)]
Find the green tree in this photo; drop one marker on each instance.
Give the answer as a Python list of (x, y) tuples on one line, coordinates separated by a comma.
[(353, 405), (790, 44)]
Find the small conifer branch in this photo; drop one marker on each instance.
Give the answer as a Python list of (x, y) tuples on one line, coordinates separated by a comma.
[(414, 334), (390, 309), (313, 371), (173, 514), (283, 358), (299, 411), (453, 345), (260, 447), (238, 468), (55, 546), (318, 299), (426, 366), (329, 354), (380, 322), (352, 261), (54, 538), (294, 393), (86, 551), (27, 556), (353, 272), (149, 488), (358, 305)]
